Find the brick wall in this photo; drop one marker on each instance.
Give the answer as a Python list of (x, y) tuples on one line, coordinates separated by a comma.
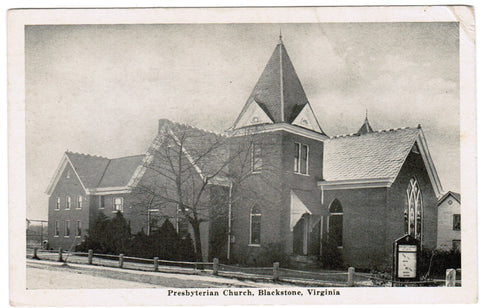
[(67, 186), (396, 201), (364, 224), (270, 189)]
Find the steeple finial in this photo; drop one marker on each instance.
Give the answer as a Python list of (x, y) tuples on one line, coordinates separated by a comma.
[(280, 37), (366, 128)]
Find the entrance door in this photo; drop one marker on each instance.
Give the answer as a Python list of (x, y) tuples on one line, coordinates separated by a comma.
[(300, 236)]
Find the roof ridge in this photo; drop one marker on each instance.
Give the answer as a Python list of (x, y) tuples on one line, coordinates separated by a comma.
[(85, 154), (375, 131), (187, 125), (128, 156)]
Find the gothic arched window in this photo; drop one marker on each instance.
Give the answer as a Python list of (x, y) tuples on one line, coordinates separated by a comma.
[(413, 213), (335, 222), (255, 225)]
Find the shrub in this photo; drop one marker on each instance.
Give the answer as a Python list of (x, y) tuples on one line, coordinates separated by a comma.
[(331, 257), (436, 262)]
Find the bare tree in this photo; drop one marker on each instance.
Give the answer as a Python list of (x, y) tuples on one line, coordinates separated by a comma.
[(184, 164)]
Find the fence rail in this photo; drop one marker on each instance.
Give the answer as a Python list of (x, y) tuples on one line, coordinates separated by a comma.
[(274, 273)]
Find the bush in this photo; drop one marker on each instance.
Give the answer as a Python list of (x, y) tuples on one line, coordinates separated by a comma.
[(331, 257), (436, 262), (112, 236), (271, 253)]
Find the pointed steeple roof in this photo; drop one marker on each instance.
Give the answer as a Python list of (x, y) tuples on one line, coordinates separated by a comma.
[(278, 90), (366, 128)]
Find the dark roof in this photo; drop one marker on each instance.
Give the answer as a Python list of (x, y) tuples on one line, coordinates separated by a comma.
[(97, 171), (378, 154), (207, 149), (455, 195), (278, 85), (89, 168), (120, 170)]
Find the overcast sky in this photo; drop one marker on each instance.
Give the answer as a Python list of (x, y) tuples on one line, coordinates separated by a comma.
[(101, 89)]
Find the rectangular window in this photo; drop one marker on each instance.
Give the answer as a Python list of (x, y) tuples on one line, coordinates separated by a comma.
[(456, 245), (257, 162), (456, 222), (296, 161), (57, 205), (101, 202), (300, 161), (78, 228), (79, 202), (67, 228), (57, 228), (255, 229), (304, 160), (68, 202), (118, 204)]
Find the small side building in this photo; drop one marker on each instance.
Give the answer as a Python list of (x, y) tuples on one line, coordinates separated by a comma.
[(449, 226)]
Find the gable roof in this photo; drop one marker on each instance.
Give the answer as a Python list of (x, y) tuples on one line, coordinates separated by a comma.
[(96, 172), (89, 168), (120, 170), (376, 156), (454, 195), (205, 150), (278, 90)]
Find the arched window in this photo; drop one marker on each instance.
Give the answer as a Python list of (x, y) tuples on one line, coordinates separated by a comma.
[(413, 213), (255, 225), (335, 222)]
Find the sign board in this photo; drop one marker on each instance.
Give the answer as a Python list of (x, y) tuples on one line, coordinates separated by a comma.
[(405, 251)]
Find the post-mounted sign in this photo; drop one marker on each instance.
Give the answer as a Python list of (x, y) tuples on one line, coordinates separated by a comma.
[(405, 256)]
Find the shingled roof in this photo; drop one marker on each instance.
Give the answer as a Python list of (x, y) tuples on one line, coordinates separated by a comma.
[(278, 91), (99, 172), (369, 156)]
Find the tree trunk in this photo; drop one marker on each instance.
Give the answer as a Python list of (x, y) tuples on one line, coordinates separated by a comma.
[(197, 240)]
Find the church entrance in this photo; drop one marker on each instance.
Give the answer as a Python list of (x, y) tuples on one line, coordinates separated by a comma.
[(300, 236)]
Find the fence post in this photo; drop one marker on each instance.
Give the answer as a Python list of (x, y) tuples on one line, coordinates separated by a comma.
[(35, 253), (90, 256), (60, 259), (450, 277), (350, 279), (215, 266), (155, 264), (120, 260), (276, 266)]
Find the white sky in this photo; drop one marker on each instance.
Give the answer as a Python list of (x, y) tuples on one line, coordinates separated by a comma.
[(101, 89)]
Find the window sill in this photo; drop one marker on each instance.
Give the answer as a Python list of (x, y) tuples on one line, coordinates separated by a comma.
[(78, 236), (67, 209), (254, 245), (56, 236), (101, 208), (78, 208), (298, 173), (56, 209), (66, 236)]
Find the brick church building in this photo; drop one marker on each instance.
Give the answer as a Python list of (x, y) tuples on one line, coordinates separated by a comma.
[(297, 189)]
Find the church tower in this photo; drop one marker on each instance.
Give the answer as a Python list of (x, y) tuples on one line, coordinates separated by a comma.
[(279, 202), (278, 97)]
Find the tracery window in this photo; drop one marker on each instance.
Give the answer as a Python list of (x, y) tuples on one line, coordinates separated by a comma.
[(413, 213)]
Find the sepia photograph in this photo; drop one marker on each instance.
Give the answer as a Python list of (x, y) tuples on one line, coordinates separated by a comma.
[(215, 156)]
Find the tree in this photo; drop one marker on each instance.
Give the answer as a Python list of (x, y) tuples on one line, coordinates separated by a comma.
[(185, 167)]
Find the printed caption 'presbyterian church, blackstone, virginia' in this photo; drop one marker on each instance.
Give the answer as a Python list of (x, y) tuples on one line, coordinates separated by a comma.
[(281, 183)]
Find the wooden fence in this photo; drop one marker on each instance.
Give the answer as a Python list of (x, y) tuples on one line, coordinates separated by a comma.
[(273, 273)]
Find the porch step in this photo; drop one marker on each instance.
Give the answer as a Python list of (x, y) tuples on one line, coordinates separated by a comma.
[(304, 262)]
